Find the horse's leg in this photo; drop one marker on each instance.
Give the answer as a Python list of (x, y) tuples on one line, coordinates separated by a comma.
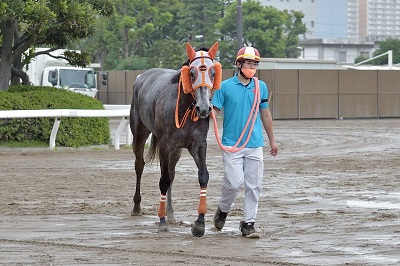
[(164, 184), (140, 135), (198, 153), (172, 163), (170, 209)]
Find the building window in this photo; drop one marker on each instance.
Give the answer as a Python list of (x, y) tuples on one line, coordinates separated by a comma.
[(364, 54), (342, 56)]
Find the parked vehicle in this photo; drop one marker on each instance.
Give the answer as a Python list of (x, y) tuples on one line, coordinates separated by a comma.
[(44, 70)]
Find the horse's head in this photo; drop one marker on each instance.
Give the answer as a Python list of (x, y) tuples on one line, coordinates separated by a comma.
[(201, 77)]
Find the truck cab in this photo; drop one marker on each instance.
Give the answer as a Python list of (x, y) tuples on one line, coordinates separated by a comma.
[(81, 80), (45, 70)]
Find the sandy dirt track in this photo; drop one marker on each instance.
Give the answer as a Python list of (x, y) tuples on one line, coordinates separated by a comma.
[(331, 197)]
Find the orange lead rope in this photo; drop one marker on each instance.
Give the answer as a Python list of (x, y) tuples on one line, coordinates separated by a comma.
[(193, 116), (252, 118)]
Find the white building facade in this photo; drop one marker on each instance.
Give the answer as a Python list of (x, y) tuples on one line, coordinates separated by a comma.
[(343, 51)]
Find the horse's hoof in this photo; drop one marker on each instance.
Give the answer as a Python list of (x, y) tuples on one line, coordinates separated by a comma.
[(198, 229), (162, 228), (136, 212), (171, 220)]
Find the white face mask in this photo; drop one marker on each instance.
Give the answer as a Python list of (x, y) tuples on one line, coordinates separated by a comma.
[(248, 73)]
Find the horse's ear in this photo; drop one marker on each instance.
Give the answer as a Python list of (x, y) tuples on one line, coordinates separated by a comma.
[(213, 50), (190, 51)]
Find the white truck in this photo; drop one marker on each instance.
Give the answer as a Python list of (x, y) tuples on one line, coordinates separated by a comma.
[(44, 70)]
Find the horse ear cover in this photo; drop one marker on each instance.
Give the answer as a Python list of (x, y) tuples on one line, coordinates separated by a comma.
[(185, 78), (187, 83), (218, 75)]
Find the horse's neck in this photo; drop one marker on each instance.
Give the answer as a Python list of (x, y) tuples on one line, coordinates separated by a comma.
[(185, 99)]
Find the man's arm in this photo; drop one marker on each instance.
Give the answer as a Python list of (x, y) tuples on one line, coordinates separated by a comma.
[(266, 119), (215, 110)]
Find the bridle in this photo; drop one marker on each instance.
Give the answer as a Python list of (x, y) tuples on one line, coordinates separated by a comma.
[(201, 72)]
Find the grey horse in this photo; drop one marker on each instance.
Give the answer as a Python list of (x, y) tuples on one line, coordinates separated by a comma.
[(174, 106)]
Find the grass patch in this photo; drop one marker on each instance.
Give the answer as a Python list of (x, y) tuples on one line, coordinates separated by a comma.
[(24, 144)]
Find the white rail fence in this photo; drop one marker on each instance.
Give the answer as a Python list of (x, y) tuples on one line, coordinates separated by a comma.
[(111, 111)]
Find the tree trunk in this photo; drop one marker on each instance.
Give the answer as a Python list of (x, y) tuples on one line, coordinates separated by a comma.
[(17, 75), (16, 71), (6, 58)]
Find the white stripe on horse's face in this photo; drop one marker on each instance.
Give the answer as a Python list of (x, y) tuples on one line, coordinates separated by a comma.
[(202, 73), (201, 70)]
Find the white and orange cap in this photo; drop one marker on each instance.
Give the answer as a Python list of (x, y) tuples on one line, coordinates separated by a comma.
[(250, 53)]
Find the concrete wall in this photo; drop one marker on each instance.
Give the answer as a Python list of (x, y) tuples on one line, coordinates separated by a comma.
[(301, 93), (118, 89)]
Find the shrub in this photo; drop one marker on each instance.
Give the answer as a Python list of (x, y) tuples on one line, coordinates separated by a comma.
[(73, 132)]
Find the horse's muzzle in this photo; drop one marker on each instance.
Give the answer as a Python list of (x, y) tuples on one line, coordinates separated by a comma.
[(203, 105), (203, 112)]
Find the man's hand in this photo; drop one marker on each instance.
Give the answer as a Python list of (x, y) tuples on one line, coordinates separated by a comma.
[(274, 149)]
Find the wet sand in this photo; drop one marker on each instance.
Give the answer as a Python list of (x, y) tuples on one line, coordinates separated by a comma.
[(331, 197)]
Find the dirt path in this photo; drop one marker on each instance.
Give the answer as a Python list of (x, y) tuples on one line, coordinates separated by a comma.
[(331, 197)]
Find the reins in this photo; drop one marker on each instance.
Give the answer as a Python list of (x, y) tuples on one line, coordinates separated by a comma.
[(190, 108), (252, 118)]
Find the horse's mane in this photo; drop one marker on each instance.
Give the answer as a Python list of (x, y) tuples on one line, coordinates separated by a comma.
[(175, 78)]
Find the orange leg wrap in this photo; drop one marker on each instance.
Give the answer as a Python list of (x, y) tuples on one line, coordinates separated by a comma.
[(162, 210), (202, 203)]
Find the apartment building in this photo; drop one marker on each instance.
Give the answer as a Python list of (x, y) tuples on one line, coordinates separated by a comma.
[(374, 20), (378, 19), (342, 30)]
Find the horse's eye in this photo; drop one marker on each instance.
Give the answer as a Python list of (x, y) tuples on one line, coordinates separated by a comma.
[(211, 72), (193, 74)]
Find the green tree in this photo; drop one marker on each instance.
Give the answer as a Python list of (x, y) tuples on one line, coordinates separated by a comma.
[(167, 54), (150, 33), (359, 59), (155, 33), (101, 44), (26, 24), (390, 44), (294, 26), (129, 34), (197, 22), (273, 32)]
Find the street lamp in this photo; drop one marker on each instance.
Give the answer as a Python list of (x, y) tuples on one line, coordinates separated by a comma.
[(239, 25)]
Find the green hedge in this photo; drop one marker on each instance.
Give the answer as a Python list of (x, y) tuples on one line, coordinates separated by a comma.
[(73, 132)]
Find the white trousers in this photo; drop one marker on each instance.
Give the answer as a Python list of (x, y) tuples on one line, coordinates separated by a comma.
[(243, 167)]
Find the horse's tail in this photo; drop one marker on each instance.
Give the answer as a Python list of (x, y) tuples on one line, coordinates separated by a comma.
[(153, 150)]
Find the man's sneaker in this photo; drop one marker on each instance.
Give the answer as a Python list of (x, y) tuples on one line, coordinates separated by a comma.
[(219, 219), (248, 230)]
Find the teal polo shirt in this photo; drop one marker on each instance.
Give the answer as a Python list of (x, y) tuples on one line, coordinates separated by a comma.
[(236, 101)]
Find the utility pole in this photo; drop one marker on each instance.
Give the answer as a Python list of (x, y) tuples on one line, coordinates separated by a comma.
[(239, 16)]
